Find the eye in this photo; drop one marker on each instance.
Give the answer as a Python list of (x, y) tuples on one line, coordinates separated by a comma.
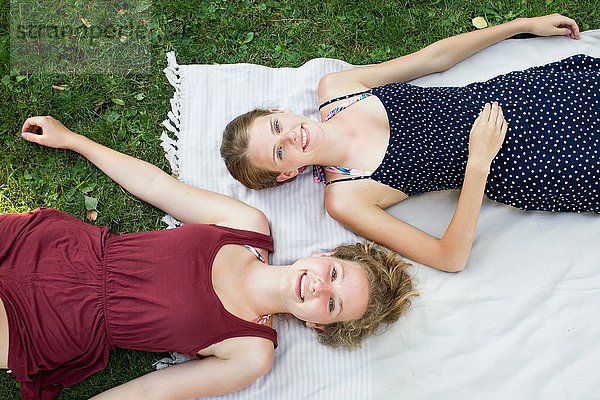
[(331, 305), (280, 153), (333, 274), (277, 126)]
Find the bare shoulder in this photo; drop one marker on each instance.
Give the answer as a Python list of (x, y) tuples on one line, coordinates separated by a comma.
[(257, 352), (347, 198), (252, 219), (338, 84)]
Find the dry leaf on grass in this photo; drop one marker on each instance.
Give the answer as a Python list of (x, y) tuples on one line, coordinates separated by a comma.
[(479, 22), (86, 22), (91, 215)]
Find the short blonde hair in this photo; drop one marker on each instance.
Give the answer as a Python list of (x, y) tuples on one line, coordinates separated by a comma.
[(390, 289), (234, 150)]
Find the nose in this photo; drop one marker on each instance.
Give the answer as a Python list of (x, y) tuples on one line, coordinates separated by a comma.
[(290, 137), (321, 288)]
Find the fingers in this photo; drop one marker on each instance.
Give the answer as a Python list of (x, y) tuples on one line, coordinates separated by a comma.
[(570, 25), (566, 26), (485, 113), (493, 116), (504, 129), (488, 134), (500, 115), (31, 137), (555, 25), (32, 123), (33, 129), (494, 112), (562, 31), (491, 112), (575, 29), (566, 32)]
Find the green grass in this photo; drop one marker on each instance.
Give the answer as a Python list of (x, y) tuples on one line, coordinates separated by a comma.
[(125, 111)]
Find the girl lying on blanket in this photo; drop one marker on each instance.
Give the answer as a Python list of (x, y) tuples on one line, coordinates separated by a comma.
[(397, 140), (70, 292)]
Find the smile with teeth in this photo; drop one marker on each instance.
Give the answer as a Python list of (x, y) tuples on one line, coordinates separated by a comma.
[(305, 137), (303, 286)]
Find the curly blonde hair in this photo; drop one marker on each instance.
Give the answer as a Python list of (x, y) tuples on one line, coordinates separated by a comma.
[(234, 151), (390, 289)]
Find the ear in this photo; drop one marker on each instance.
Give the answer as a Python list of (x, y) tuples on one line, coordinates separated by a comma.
[(312, 325), (284, 176)]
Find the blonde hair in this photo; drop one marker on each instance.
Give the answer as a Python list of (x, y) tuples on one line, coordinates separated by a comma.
[(234, 150), (390, 289)]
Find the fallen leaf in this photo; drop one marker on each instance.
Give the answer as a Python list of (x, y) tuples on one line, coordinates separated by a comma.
[(121, 11), (91, 203), (479, 22), (86, 22), (86, 186), (139, 96), (59, 87), (249, 37), (91, 215), (112, 116), (118, 101), (123, 39), (142, 6)]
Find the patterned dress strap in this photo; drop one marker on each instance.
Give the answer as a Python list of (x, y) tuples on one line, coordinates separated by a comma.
[(262, 320), (319, 173), (345, 105), (342, 98), (352, 178)]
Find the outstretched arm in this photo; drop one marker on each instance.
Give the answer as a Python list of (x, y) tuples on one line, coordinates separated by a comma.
[(451, 251), (149, 183), (441, 55), (211, 376)]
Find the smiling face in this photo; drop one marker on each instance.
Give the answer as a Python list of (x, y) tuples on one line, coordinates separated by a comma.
[(283, 142), (323, 290)]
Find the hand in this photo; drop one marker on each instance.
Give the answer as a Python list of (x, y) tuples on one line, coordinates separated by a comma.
[(47, 131), (487, 135), (553, 25)]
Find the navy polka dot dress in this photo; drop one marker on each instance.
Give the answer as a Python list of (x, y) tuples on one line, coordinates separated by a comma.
[(549, 160)]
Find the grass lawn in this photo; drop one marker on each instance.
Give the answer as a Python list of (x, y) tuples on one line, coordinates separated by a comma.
[(124, 110)]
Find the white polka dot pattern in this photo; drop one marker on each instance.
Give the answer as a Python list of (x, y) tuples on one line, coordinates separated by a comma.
[(549, 160)]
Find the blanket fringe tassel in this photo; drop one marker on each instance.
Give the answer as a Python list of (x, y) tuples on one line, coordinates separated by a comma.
[(170, 137), (169, 140)]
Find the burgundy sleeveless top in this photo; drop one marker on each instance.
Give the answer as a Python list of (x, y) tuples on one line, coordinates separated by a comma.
[(73, 291), (159, 293)]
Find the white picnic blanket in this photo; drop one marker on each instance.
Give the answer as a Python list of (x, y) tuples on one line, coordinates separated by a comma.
[(520, 322)]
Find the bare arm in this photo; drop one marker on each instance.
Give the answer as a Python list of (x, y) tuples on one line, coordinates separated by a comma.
[(450, 252), (441, 55), (211, 376), (149, 183)]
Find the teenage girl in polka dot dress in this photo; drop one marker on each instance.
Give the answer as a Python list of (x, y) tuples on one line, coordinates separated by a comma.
[(529, 139)]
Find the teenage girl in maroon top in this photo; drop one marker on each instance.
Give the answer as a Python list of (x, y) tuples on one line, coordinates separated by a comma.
[(70, 292)]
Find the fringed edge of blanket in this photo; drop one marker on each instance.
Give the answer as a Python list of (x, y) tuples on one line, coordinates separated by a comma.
[(168, 141), (170, 137)]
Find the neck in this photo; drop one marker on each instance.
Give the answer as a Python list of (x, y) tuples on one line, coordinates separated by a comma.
[(263, 289), (335, 134)]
